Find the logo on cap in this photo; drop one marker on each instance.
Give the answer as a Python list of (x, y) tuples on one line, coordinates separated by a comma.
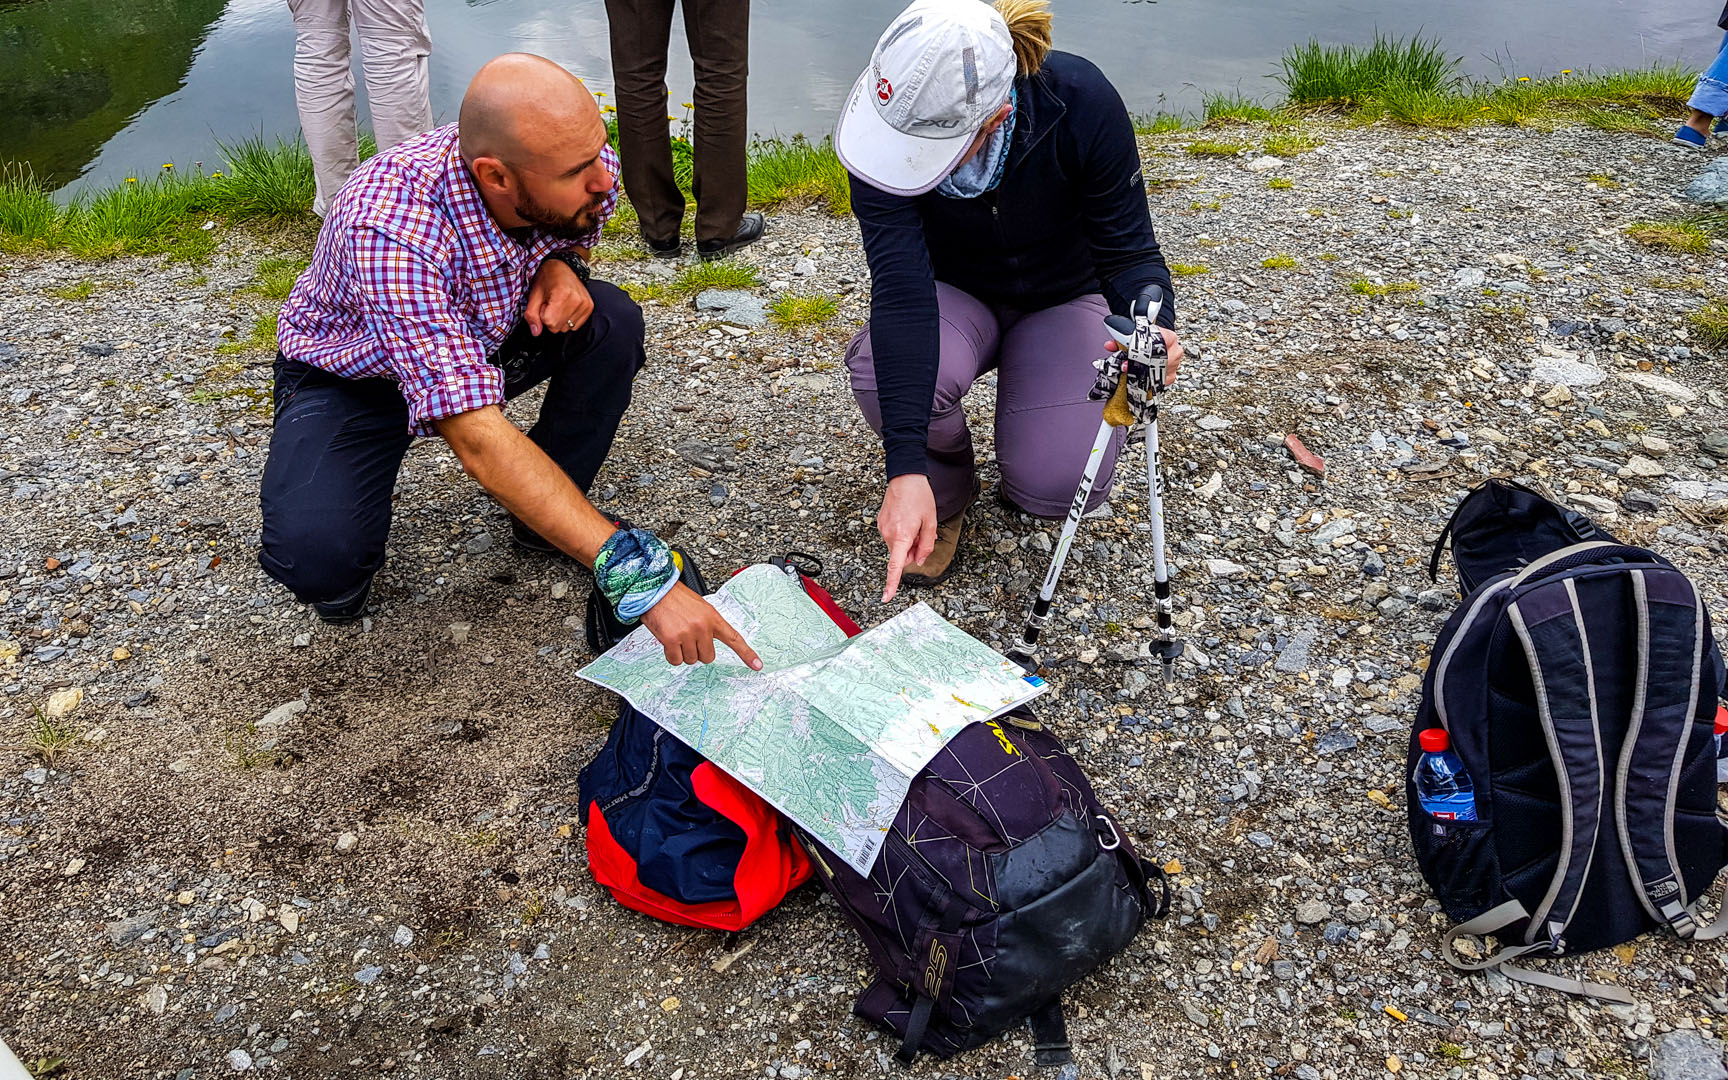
[(884, 90)]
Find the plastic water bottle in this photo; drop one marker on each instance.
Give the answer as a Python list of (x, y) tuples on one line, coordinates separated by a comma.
[(1442, 785)]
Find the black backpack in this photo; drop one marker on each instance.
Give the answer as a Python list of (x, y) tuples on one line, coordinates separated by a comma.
[(1579, 687), (1003, 882)]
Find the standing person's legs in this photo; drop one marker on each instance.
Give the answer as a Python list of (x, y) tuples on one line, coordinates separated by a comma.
[(1044, 422), (968, 349), (719, 37), (590, 371), (1710, 95), (641, 31), (333, 459), (324, 94), (394, 46)]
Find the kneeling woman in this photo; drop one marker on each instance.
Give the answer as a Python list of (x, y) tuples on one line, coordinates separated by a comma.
[(998, 188)]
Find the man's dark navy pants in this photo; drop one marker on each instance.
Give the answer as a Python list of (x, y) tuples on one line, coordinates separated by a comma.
[(339, 442)]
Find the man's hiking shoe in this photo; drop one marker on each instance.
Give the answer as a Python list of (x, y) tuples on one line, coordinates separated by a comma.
[(749, 231), (945, 555), (345, 609), (663, 249), (1688, 137)]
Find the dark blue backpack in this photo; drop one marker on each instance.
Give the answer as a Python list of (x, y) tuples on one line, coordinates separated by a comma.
[(1579, 688)]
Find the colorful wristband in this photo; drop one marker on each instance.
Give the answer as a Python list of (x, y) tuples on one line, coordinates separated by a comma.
[(634, 570)]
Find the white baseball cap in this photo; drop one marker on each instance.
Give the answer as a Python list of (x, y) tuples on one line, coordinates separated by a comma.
[(940, 70)]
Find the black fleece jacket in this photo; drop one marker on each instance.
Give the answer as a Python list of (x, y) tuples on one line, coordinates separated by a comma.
[(1068, 219)]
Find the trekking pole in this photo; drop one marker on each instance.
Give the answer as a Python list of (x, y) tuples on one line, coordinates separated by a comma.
[(1039, 616), (1142, 341)]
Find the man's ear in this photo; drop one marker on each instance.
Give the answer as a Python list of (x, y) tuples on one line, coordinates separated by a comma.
[(493, 176)]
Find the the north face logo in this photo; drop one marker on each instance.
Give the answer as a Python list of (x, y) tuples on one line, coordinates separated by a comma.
[(884, 90)]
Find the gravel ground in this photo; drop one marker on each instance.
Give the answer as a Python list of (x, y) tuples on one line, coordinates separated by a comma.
[(312, 851)]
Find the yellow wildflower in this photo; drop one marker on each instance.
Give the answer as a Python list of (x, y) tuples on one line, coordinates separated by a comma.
[(1523, 78), (167, 164), (1566, 71), (131, 179)]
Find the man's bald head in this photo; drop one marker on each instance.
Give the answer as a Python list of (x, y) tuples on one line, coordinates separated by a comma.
[(525, 109), (531, 136)]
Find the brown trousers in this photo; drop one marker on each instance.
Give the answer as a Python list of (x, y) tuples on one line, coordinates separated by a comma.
[(719, 35)]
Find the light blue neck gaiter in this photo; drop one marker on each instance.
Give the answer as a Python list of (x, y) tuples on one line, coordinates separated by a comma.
[(983, 171)]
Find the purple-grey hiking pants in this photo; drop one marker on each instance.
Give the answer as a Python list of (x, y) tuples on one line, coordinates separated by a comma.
[(1044, 423)]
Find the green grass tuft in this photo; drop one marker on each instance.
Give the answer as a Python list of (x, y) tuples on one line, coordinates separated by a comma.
[(1710, 324), (1280, 183), (1343, 76), (1683, 237), (721, 274), (81, 290), (1291, 143), (1158, 123), (262, 338), (1189, 269), (798, 172), (276, 277), (1364, 287), (1280, 261), (1211, 148), (28, 216), (1424, 107), (1235, 109), (791, 310)]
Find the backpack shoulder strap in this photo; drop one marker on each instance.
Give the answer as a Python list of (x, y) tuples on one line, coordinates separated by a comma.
[(1550, 624), (1499, 918), (1671, 666)]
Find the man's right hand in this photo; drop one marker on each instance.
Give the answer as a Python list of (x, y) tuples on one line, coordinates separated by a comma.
[(687, 627), (907, 522)]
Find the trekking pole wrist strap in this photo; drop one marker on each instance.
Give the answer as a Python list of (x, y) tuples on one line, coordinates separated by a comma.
[(634, 571)]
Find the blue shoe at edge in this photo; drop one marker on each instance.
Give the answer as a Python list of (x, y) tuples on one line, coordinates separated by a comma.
[(1721, 128), (1689, 138)]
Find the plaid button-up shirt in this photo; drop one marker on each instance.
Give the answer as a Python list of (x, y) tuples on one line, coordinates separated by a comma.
[(413, 280)]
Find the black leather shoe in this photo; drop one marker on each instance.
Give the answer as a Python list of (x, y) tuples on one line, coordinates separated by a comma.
[(750, 228), (345, 609), (529, 539), (663, 249)]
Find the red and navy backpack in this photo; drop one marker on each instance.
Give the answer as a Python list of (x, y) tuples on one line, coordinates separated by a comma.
[(671, 834)]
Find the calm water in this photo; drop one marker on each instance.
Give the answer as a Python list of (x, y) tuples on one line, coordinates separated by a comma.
[(93, 90)]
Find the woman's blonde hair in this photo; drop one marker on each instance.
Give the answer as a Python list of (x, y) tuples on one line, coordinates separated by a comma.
[(1029, 25)]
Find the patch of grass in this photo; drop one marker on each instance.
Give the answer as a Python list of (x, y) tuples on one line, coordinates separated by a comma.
[(28, 216), (1683, 237), (789, 310), (81, 290), (720, 274), (262, 338), (1328, 256), (1280, 183), (43, 1068), (1710, 324), (275, 278), (533, 907), (1158, 123), (1189, 269), (1290, 144), (1280, 261), (1421, 106), (267, 180), (1616, 121), (1692, 284), (1212, 148), (1603, 180), (50, 737), (797, 172), (1345, 76), (1364, 287), (1235, 109)]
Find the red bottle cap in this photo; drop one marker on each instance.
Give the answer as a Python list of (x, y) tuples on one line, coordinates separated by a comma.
[(1721, 719), (1435, 740)]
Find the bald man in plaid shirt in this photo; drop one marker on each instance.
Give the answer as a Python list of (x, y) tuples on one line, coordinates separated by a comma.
[(450, 275)]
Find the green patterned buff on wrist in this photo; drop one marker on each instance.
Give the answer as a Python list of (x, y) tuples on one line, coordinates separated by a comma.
[(634, 569)]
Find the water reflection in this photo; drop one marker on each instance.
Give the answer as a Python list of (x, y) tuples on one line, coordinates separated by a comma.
[(99, 89), (75, 72)]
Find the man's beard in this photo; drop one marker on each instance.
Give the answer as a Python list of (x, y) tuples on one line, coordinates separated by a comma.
[(575, 226)]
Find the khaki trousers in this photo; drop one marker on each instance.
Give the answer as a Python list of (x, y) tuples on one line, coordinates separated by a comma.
[(393, 49), (718, 32)]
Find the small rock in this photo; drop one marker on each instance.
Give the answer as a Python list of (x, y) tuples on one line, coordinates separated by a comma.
[(1305, 458), (239, 1060), (63, 703), (301, 641), (368, 975), (1335, 742), (1556, 396), (37, 776), (717, 495), (1224, 568), (1639, 465), (459, 632), (289, 917), (1264, 163), (1715, 444), (1686, 1055), (403, 937), (126, 931), (1293, 658), (1711, 185), (282, 713), (1640, 502), (1312, 912), (346, 843), (479, 544), (1660, 385), (560, 589), (1564, 368)]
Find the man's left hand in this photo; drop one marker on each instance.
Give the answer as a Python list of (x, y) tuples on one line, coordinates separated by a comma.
[(558, 302)]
